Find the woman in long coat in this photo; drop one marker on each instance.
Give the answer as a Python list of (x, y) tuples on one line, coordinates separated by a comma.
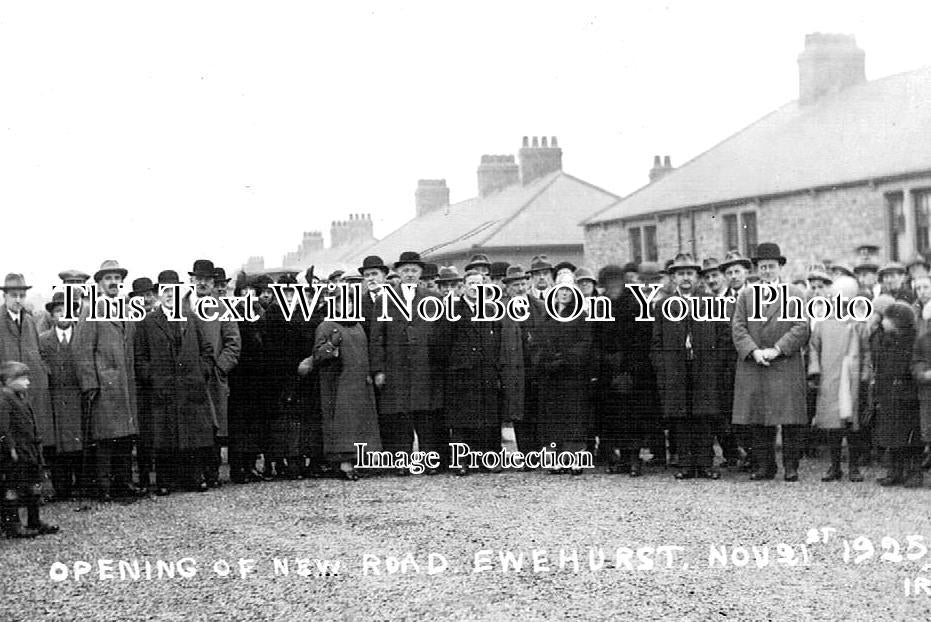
[(567, 370), (898, 425), (347, 396)]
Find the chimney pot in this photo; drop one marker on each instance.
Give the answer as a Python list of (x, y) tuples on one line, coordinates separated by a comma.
[(543, 142), (536, 142), (656, 161), (829, 63), (526, 142), (667, 163), (553, 142)]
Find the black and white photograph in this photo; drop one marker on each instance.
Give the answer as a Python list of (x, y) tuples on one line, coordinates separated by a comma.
[(465, 311)]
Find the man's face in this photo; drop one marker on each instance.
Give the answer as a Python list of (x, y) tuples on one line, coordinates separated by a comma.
[(716, 281), (483, 270), (542, 279), (818, 287), (14, 299), (736, 276), (429, 283), (923, 289), (768, 269), (373, 279), (265, 298), (471, 291), (167, 297), (449, 286), (893, 280), (517, 288), (866, 278), (685, 279), (18, 384), (615, 287), (110, 284), (57, 313), (149, 300), (587, 287), (410, 273), (395, 281), (220, 289), (203, 285)]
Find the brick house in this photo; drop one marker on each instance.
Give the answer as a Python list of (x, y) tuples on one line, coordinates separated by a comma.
[(848, 163)]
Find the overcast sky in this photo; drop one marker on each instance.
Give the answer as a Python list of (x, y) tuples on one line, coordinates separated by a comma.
[(162, 132)]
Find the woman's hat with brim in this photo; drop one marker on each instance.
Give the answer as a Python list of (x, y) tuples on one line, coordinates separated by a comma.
[(15, 282), (585, 274), (110, 266), (769, 251), (409, 257)]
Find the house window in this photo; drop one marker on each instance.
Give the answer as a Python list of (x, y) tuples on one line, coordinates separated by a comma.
[(895, 211), (634, 240), (731, 234), (748, 224), (922, 216), (650, 250)]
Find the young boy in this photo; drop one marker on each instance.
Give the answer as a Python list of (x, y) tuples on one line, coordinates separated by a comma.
[(20, 455)]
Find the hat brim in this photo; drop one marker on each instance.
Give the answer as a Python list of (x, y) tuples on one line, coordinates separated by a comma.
[(746, 263), (16, 288), (398, 264), (883, 271), (866, 267), (685, 266), (716, 268), (210, 275), (100, 273), (384, 269), (49, 306), (476, 264), (510, 279), (779, 258)]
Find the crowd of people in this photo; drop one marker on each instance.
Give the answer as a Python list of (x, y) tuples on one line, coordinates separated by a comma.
[(120, 409)]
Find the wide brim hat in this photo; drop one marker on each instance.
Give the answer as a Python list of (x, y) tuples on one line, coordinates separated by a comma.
[(892, 267), (409, 257), (514, 273), (710, 264), (203, 268), (477, 260), (585, 274), (15, 282), (374, 262), (734, 258), (683, 261), (769, 251), (73, 276), (539, 263), (58, 300), (110, 266)]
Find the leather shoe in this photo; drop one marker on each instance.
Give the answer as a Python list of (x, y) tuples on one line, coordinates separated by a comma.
[(708, 474), (162, 491), (44, 528), (685, 474), (758, 476), (791, 475), (636, 470)]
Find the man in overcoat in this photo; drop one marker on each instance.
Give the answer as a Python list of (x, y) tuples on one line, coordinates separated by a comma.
[(769, 384), (689, 357), (105, 364)]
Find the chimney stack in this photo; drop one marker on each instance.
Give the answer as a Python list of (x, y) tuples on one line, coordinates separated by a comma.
[(497, 172), (661, 168), (541, 158), (828, 64), (312, 243), (431, 194)]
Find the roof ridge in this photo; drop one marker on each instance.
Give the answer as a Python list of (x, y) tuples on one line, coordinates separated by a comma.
[(555, 175)]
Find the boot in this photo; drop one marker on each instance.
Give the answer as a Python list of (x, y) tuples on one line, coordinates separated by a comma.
[(853, 459), (10, 523), (635, 466), (32, 519), (914, 477), (896, 467), (834, 472)]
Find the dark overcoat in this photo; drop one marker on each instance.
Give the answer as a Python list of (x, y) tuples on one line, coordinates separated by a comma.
[(105, 361), (897, 421), (921, 363), (19, 430), (248, 394), (64, 389), (22, 344), (711, 346), (173, 364), (774, 395), (405, 351), (226, 343)]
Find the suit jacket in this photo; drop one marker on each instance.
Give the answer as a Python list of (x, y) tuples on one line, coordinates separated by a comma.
[(22, 344), (64, 390)]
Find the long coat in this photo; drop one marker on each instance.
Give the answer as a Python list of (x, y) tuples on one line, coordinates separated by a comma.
[(897, 420), (105, 361), (173, 363), (921, 363), (246, 410), (839, 351), (226, 343), (19, 430), (566, 392), (773, 395), (22, 344), (64, 389), (406, 352), (711, 346), (347, 398)]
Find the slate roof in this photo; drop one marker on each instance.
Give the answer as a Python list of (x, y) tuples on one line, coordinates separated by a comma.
[(867, 131)]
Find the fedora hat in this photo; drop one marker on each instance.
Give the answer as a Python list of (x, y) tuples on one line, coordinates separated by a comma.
[(585, 274), (649, 271), (141, 285), (769, 251), (373, 261), (843, 267), (734, 257), (683, 261), (514, 273), (58, 300), (430, 271), (15, 282), (448, 274), (499, 269), (73, 276), (409, 257), (477, 260), (711, 264), (203, 268), (892, 267), (818, 273), (539, 263), (219, 275), (166, 277), (110, 266), (865, 265)]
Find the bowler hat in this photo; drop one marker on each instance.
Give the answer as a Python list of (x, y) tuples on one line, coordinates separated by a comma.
[(409, 257), (683, 261), (585, 274), (73, 276), (733, 258), (260, 282), (499, 269), (769, 251), (14, 282), (430, 271), (373, 261), (110, 266), (613, 272), (141, 285), (477, 260), (448, 274), (219, 275), (514, 273), (564, 265), (539, 263), (58, 300), (203, 268), (167, 277)]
